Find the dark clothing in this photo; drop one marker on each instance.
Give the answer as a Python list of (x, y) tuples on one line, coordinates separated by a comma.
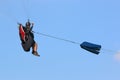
[(28, 31), (29, 39), (28, 44)]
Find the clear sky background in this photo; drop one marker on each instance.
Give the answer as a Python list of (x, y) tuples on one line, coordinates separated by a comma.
[(96, 21)]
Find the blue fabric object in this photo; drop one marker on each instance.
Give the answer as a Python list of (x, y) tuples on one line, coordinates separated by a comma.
[(94, 48)]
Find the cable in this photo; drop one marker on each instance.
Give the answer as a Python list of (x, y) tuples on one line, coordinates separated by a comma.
[(70, 41), (62, 39), (26, 11)]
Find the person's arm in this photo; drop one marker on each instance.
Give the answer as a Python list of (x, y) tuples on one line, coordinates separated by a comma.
[(31, 27)]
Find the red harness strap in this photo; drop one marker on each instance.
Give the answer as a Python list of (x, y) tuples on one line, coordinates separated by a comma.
[(22, 33)]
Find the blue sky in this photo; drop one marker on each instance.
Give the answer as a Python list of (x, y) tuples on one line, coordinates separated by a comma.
[(95, 21)]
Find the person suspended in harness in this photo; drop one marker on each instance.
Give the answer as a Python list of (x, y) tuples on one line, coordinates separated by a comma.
[(27, 38)]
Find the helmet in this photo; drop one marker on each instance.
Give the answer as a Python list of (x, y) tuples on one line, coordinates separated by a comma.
[(28, 23)]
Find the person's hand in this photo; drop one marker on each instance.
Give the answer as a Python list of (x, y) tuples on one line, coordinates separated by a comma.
[(32, 24)]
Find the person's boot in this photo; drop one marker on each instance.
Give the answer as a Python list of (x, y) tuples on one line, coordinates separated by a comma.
[(35, 53)]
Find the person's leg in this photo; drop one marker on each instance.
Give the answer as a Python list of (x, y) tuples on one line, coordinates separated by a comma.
[(35, 46), (34, 49)]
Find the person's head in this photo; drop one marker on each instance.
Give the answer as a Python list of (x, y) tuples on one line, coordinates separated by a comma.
[(28, 24)]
